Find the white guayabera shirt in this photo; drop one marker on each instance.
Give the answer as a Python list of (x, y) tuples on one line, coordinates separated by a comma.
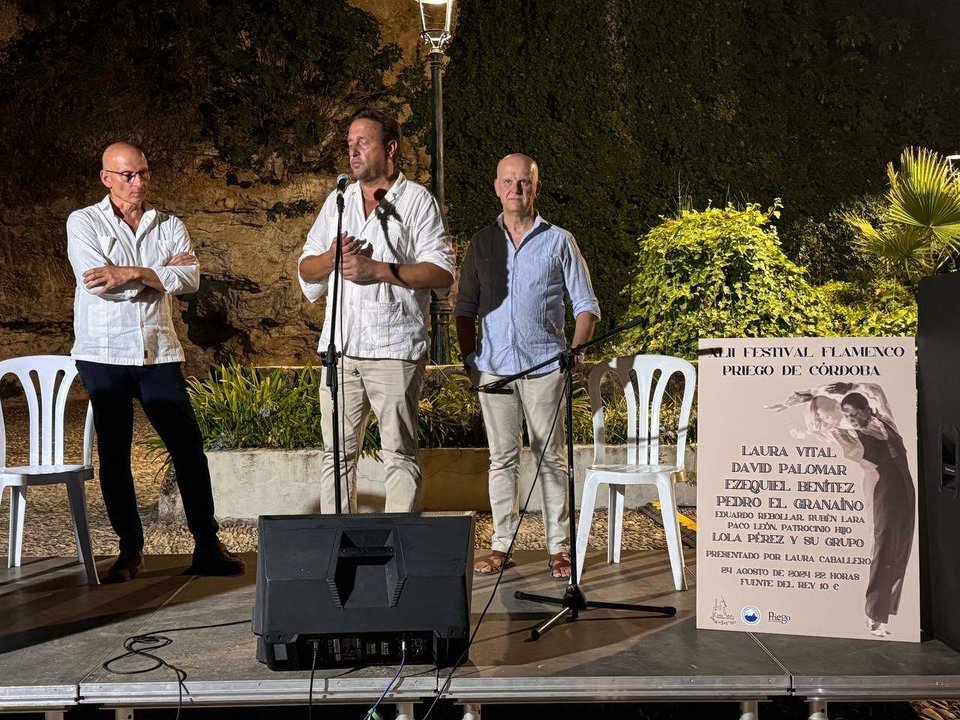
[(133, 323), (380, 320)]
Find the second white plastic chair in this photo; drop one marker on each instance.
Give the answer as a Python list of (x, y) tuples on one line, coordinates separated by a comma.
[(644, 400)]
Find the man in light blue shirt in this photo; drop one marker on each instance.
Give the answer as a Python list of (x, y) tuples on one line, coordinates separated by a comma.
[(515, 276)]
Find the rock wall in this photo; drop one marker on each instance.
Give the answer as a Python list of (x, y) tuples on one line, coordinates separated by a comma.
[(248, 236)]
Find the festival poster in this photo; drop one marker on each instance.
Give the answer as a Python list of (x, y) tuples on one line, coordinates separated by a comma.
[(807, 487)]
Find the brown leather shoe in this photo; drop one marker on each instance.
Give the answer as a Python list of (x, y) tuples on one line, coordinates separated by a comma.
[(125, 568), (213, 559)]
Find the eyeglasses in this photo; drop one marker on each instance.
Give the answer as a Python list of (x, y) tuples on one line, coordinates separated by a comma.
[(129, 175)]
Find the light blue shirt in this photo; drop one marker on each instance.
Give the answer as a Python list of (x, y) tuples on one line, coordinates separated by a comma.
[(517, 295)]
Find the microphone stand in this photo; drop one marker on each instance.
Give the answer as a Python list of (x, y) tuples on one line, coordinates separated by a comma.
[(331, 359), (574, 601)]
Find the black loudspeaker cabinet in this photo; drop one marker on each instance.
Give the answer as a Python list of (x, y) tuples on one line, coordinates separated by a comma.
[(352, 588), (938, 351)]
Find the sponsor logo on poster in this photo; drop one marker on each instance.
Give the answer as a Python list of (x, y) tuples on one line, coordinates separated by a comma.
[(721, 615), (750, 614)]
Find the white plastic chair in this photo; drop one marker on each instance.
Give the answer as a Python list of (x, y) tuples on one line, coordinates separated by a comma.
[(47, 411), (643, 466)]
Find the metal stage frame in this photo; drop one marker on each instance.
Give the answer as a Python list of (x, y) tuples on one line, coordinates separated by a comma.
[(56, 633)]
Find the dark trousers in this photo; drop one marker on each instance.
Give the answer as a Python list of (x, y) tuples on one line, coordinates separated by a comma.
[(162, 392)]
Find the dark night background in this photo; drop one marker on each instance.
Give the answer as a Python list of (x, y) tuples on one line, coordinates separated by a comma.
[(633, 109)]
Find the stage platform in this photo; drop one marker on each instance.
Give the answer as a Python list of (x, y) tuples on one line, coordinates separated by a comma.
[(55, 633)]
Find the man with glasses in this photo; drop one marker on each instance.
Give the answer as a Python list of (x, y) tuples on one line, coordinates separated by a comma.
[(129, 260)]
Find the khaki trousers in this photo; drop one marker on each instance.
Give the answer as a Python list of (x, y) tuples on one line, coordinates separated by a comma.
[(391, 388), (536, 400)]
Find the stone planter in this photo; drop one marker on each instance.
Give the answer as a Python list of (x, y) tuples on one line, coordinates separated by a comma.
[(249, 483)]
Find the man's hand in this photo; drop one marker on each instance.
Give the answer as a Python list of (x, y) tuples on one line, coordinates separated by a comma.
[(315, 268), (351, 246), (104, 279), (470, 368), (181, 259), (361, 269)]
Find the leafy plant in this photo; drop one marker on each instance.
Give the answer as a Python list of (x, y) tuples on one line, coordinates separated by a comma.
[(881, 308), (242, 408), (275, 408), (920, 229), (717, 273), (828, 247)]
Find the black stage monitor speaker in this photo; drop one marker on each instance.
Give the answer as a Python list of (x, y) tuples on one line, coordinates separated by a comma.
[(353, 587), (938, 346)]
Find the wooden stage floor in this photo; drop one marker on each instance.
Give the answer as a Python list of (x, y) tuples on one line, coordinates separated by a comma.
[(56, 632)]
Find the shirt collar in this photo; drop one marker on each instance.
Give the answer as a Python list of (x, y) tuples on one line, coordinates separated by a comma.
[(149, 213), (393, 194), (538, 224)]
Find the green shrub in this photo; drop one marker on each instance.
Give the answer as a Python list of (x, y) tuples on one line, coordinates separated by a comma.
[(883, 308), (827, 246), (238, 407), (718, 273), (279, 408), (622, 101)]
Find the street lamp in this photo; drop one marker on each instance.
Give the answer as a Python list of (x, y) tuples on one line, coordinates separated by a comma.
[(435, 19)]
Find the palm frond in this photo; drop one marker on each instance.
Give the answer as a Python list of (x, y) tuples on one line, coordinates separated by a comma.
[(925, 193)]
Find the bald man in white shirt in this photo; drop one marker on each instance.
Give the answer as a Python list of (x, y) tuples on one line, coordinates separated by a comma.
[(129, 260)]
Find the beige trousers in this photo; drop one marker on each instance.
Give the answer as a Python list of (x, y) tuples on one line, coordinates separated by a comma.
[(392, 389), (536, 400)]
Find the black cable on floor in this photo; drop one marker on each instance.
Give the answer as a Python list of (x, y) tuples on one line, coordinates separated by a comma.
[(146, 644)]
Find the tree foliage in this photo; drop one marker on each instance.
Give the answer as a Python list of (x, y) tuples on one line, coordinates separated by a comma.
[(878, 308), (260, 83), (628, 103), (718, 273)]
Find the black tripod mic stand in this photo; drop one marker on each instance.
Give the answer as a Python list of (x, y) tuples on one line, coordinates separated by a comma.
[(574, 601)]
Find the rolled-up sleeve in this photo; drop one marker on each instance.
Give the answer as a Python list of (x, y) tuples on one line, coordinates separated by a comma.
[(431, 240), (318, 242), (577, 279), (179, 279), (468, 292), (85, 253)]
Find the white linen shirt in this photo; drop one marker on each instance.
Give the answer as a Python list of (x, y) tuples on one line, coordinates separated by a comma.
[(380, 320), (133, 323)]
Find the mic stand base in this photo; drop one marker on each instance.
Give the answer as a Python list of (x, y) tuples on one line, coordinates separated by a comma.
[(575, 602)]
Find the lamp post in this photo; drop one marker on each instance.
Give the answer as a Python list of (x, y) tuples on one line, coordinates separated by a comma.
[(435, 19)]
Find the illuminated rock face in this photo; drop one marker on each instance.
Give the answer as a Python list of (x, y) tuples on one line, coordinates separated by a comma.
[(248, 236)]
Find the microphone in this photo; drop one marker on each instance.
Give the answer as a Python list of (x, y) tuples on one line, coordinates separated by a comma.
[(342, 180), (496, 391), (493, 388)]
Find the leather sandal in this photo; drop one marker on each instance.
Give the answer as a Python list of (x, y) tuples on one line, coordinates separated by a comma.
[(557, 563), (493, 564)]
